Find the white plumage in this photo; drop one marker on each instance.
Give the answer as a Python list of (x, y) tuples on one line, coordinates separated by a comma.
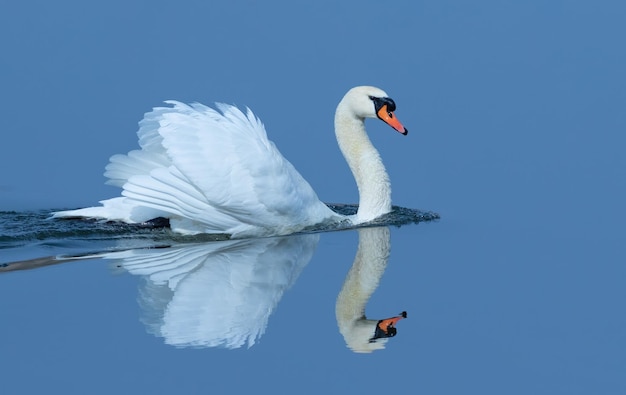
[(362, 280), (215, 171), (222, 294), (218, 294)]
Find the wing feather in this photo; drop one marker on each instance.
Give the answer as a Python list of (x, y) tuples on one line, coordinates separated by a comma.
[(210, 170)]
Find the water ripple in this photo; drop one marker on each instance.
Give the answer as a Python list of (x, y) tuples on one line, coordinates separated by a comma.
[(22, 228)]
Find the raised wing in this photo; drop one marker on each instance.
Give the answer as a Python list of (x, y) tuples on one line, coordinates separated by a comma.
[(215, 171)]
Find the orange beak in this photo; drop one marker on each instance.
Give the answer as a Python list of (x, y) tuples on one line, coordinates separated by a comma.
[(386, 324), (390, 119)]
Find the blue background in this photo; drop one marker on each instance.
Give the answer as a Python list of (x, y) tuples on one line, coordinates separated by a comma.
[(516, 114)]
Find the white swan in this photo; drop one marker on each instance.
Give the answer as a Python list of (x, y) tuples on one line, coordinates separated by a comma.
[(211, 171), (223, 293), (218, 294), (361, 334)]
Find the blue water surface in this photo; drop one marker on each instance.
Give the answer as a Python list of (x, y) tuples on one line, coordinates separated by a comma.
[(516, 121)]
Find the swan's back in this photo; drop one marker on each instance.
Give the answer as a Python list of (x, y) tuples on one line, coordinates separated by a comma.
[(215, 171), (209, 171)]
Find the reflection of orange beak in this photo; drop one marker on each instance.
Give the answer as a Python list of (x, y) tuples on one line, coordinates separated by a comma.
[(386, 328), (386, 324), (389, 118)]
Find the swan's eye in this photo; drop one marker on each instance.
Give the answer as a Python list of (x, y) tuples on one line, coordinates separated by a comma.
[(372, 98)]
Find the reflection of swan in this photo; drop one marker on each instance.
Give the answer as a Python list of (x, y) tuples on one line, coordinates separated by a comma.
[(218, 294), (362, 334), (216, 172), (221, 294)]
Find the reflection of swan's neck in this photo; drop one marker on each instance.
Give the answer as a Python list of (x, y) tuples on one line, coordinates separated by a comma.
[(365, 163), (362, 279)]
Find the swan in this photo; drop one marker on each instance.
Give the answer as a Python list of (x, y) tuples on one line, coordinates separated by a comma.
[(363, 335), (215, 171), (223, 293), (212, 294), (217, 294)]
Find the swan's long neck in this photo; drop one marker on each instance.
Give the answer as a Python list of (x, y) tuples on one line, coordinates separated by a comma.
[(360, 283), (365, 163)]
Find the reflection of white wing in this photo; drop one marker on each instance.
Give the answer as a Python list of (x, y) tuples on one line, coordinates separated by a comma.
[(218, 294)]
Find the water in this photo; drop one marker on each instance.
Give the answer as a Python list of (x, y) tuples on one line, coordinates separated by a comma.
[(487, 303), (201, 291), (516, 113), (483, 306), (90, 287), (205, 290), (35, 233)]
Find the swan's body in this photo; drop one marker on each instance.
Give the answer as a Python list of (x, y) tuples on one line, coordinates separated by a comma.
[(218, 294), (223, 293), (211, 171)]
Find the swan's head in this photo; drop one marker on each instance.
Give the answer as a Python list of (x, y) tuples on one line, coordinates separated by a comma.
[(386, 328), (372, 102), (365, 335)]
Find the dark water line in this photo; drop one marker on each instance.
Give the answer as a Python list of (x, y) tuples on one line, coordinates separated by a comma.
[(18, 229)]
